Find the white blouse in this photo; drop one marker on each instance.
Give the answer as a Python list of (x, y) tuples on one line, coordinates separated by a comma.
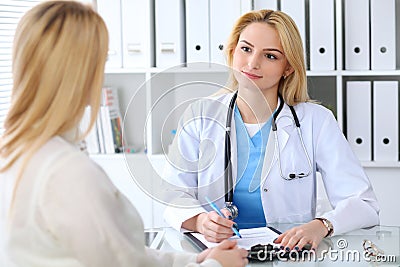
[(66, 212)]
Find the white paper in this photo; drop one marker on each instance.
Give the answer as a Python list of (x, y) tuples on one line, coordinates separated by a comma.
[(250, 237)]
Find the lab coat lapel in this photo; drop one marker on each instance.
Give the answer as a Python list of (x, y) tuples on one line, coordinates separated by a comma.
[(269, 158), (283, 121)]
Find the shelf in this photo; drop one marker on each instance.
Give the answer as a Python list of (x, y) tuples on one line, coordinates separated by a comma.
[(157, 157), (374, 164), (196, 68), (311, 73), (126, 71), (119, 156), (370, 73)]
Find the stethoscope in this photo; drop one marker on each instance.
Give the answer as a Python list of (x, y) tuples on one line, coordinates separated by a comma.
[(228, 166)]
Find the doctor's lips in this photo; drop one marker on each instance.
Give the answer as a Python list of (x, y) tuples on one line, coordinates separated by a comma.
[(251, 75)]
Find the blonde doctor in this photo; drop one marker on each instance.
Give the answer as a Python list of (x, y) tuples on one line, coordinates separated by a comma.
[(279, 140)]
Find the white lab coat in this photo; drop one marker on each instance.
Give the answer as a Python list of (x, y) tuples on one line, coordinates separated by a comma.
[(196, 166)]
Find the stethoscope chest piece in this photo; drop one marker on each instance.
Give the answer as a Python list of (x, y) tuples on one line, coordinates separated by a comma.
[(232, 209)]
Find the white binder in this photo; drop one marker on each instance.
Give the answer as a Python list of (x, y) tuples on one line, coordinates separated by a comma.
[(296, 10), (322, 35), (170, 34), (137, 36), (197, 31), (265, 4), (111, 13), (246, 6), (383, 35), (386, 121), (356, 28), (358, 106), (223, 15)]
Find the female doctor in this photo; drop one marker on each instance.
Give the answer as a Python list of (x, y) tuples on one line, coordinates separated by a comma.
[(273, 159)]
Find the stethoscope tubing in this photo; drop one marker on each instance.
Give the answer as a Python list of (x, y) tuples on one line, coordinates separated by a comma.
[(228, 164), (278, 155)]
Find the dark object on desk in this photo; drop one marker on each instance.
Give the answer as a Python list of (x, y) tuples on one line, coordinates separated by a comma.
[(269, 252), (262, 253)]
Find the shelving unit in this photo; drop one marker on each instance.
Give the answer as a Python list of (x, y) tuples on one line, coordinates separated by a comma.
[(154, 99)]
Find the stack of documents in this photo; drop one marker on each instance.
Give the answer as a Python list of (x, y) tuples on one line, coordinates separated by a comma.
[(250, 237)]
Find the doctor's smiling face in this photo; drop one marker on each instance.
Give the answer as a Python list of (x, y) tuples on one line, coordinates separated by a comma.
[(258, 58), (263, 47)]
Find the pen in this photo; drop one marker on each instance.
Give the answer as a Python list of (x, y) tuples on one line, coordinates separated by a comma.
[(216, 209)]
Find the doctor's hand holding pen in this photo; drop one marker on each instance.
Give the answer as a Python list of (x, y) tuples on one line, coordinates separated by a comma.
[(214, 227)]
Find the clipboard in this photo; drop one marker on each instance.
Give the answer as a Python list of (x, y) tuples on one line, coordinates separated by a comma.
[(199, 244), (251, 237), (262, 250)]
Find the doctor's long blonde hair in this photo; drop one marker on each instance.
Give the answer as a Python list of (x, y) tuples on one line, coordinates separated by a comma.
[(294, 87), (59, 52)]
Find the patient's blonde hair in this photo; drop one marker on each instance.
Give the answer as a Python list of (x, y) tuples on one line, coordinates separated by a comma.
[(59, 52)]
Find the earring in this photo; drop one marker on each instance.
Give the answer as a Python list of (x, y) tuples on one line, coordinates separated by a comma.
[(284, 77)]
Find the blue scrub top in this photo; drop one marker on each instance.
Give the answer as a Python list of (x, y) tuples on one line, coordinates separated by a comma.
[(250, 151)]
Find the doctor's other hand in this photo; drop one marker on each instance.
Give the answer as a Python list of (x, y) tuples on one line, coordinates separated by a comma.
[(297, 237), (214, 227), (226, 253)]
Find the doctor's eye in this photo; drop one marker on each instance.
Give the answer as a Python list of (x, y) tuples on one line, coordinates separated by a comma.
[(270, 56), (245, 49)]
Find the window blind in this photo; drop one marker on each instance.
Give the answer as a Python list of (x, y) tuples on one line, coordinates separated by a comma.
[(11, 12)]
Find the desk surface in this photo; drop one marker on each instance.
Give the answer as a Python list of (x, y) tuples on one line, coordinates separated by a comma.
[(342, 250)]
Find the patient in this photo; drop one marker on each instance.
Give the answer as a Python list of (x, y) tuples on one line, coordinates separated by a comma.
[(59, 208)]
